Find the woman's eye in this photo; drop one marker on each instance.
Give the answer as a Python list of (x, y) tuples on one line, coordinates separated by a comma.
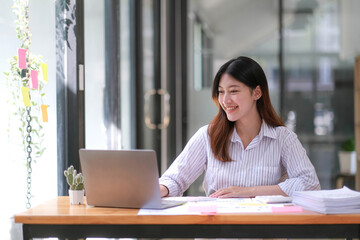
[(220, 92), (234, 91)]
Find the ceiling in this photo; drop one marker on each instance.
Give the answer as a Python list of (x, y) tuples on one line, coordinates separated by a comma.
[(238, 26), (235, 25)]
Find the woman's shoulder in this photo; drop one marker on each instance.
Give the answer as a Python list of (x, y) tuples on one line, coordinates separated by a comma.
[(200, 132), (283, 132), (201, 136), (203, 130)]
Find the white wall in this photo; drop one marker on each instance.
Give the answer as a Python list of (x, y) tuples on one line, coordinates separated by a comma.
[(13, 176)]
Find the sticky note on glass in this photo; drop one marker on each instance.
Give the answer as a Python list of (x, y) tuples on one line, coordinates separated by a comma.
[(44, 72), (22, 58), (26, 96), (44, 113), (34, 79)]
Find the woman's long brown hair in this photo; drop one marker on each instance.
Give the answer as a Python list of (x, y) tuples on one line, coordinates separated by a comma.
[(220, 129)]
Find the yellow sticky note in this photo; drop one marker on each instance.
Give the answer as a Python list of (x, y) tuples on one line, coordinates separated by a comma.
[(26, 96), (44, 71), (44, 112)]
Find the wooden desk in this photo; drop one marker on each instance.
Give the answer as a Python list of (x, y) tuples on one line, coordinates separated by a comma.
[(57, 218)]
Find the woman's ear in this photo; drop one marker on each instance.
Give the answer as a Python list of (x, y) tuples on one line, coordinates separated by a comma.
[(257, 92)]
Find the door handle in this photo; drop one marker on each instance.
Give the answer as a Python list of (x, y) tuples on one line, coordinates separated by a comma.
[(165, 109), (147, 96)]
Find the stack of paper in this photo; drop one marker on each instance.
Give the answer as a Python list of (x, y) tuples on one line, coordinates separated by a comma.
[(335, 201)]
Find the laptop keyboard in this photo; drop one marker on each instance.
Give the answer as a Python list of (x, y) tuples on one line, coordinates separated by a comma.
[(170, 203)]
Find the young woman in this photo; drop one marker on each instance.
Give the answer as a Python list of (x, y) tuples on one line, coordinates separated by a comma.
[(246, 149)]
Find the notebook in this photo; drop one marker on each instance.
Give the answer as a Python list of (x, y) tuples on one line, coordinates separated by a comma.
[(122, 178)]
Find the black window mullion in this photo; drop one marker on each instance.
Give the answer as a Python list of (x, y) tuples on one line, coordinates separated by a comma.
[(281, 60), (136, 71), (156, 133)]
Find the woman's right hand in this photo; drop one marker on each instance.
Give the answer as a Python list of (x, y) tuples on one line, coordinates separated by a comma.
[(164, 191)]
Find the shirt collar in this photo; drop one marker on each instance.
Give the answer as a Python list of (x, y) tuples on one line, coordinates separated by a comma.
[(235, 137), (265, 130)]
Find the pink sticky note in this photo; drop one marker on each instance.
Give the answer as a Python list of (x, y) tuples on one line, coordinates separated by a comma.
[(34, 79), (22, 58), (287, 209), (206, 209)]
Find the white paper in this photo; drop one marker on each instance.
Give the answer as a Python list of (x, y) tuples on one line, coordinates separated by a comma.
[(222, 205)]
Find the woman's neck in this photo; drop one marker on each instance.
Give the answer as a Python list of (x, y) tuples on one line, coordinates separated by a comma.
[(248, 130)]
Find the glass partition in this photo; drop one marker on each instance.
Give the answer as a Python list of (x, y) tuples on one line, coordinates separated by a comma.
[(217, 32), (95, 130), (319, 47), (101, 130), (318, 82)]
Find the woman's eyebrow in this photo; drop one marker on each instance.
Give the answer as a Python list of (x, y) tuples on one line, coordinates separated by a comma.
[(230, 86)]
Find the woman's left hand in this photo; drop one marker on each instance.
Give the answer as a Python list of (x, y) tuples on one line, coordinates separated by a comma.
[(231, 192)]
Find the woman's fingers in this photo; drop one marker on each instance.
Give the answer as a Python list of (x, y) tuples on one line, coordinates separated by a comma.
[(230, 192), (221, 193)]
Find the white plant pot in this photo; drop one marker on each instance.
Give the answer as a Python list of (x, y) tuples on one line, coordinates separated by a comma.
[(76, 196), (347, 162)]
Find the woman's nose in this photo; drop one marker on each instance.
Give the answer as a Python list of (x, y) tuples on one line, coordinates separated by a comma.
[(227, 97)]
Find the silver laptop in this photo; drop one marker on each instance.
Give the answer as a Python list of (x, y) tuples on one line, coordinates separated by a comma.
[(122, 178)]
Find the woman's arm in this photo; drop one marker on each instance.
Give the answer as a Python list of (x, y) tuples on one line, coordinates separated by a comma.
[(187, 167), (231, 192), (301, 172)]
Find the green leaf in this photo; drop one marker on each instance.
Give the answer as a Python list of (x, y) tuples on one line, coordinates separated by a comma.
[(348, 145), (80, 186)]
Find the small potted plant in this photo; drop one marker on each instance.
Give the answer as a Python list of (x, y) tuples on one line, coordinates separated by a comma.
[(347, 157), (76, 184)]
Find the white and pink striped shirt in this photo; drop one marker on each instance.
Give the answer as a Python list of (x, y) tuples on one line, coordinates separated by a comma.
[(271, 153)]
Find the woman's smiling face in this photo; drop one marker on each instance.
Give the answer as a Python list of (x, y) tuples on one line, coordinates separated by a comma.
[(236, 99)]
